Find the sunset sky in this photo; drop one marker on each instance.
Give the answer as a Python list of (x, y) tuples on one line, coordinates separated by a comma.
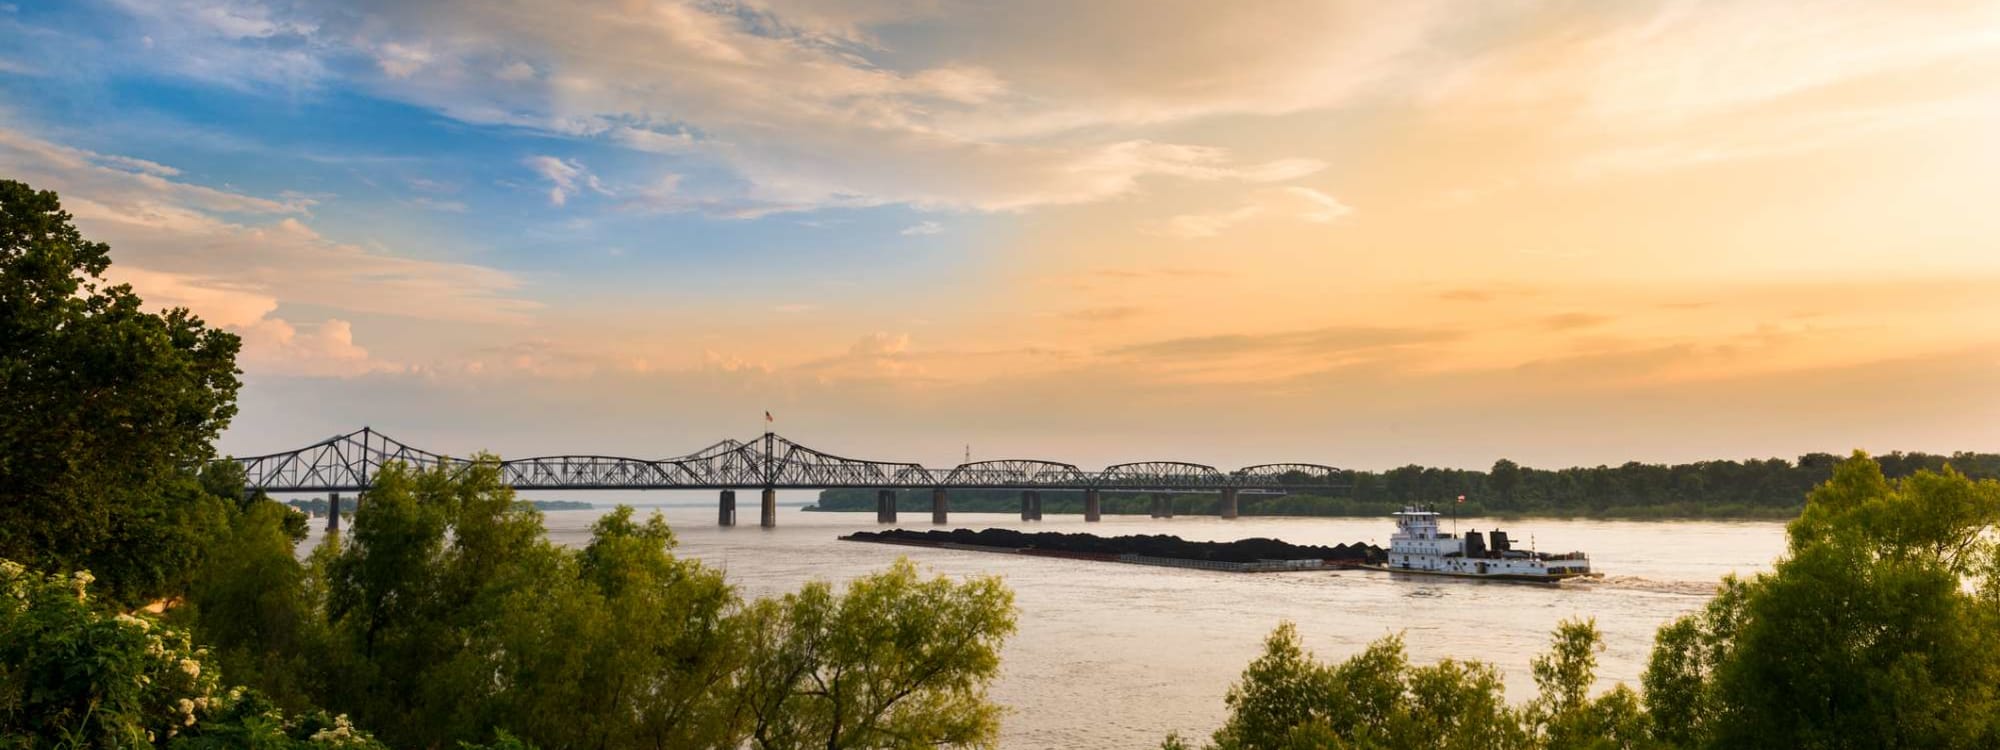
[(1364, 234)]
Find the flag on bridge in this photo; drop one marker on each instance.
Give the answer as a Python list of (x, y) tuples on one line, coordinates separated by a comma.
[(767, 420)]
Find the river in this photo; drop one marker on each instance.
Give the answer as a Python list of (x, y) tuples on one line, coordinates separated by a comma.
[(1117, 656)]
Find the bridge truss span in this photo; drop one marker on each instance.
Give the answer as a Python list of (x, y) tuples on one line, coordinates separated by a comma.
[(351, 462)]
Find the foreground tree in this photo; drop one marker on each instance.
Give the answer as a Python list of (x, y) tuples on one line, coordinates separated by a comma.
[(1881, 628), (73, 675), (446, 616), (1563, 716), (1287, 700), (897, 661), (107, 409)]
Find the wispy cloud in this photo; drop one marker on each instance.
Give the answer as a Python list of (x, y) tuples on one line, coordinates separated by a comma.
[(1104, 314), (1298, 203), (922, 228), (566, 178)]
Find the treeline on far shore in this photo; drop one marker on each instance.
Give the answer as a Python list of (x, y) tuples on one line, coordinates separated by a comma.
[(1769, 488), (317, 505)]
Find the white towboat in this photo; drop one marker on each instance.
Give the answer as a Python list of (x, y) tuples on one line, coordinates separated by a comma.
[(1419, 546)]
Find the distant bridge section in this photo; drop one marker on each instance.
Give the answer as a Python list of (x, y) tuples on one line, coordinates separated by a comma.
[(350, 463)]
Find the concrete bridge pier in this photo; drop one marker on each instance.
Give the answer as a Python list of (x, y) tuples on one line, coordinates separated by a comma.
[(885, 506), (1092, 506), (332, 512), (1036, 500), (940, 506), (1027, 505), (725, 509), (1229, 502), (1163, 505), (770, 509)]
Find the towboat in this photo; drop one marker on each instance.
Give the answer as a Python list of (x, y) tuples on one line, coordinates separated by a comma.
[(1420, 547)]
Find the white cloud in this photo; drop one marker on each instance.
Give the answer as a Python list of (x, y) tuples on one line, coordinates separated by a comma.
[(1290, 202), (792, 98), (567, 177), (240, 43), (271, 345), (246, 243), (402, 60), (922, 228), (275, 347)]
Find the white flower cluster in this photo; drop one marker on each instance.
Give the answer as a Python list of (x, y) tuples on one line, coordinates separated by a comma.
[(174, 668), (13, 576), (81, 581), (341, 734)]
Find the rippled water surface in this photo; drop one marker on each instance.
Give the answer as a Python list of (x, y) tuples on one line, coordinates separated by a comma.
[(1117, 656)]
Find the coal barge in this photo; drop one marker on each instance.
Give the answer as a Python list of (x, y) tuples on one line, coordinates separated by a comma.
[(1256, 555)]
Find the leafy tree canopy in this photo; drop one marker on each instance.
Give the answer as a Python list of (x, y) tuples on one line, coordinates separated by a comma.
[(445, 616), (1881, 628), (107, 410)]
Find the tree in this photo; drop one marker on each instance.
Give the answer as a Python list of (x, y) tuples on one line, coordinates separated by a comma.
[(73, 675), (1505, 478), (107, 410), (445, 616), (250, 604), (1563, 715), (1288, 700), (896, 661), (626, 646), (1881, 628)]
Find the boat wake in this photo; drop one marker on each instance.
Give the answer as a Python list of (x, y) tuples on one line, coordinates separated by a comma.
[(1642, 583)]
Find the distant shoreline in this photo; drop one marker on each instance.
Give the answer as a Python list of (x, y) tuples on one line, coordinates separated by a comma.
[(1623, 514)]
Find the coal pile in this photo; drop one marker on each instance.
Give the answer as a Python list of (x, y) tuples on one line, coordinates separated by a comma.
[(1150, 545)]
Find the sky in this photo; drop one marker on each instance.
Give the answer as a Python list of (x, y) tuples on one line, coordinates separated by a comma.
[(1362, 234)]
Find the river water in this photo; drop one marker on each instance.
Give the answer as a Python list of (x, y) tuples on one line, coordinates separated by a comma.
[(1117, 656)]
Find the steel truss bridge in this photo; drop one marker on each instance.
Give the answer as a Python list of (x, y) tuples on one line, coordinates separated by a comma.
[(350, 463)]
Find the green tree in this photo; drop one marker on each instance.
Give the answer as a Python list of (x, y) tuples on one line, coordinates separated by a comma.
[(1505, 478), (74, 675), (1881, 628), (1376, 699), (107, 409), (445, 616), (1564, 716), (249, 603), (897, 661), (625, 645)]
